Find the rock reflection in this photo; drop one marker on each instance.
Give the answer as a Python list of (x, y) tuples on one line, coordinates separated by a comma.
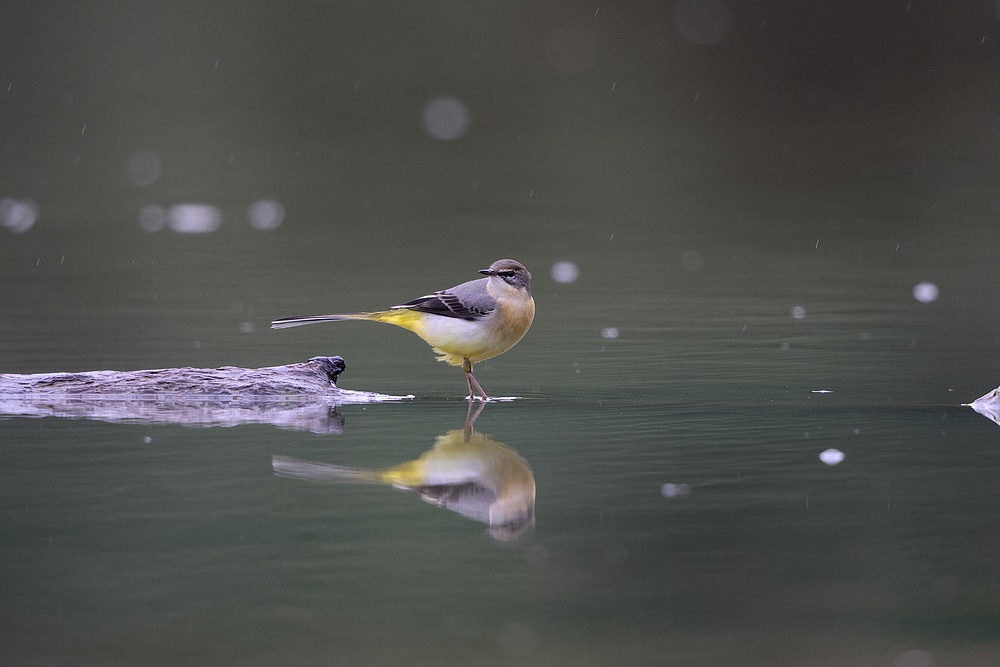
[(465, 472), (318, 417)]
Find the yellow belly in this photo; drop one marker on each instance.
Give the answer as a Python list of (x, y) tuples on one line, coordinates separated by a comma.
[(455, 340)]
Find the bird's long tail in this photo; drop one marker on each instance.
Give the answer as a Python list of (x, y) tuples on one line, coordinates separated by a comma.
[(407, 475), (401, 318), (286, 466)]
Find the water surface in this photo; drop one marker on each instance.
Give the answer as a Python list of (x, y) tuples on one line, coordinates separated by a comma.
[(748, 237)]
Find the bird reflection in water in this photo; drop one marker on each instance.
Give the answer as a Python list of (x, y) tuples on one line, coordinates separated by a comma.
[(465, 472)]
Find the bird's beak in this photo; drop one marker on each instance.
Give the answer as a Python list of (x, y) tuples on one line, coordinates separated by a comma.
[(486, 272)]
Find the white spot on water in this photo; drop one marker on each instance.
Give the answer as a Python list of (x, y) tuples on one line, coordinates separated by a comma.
[(609, 332), (671, 490), (798, 312), (831, 456), (194, 218)]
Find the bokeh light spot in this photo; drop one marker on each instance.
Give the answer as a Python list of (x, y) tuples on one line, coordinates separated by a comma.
[(266, 214), (18, 215), (609, 332), (925, 292), (152, 218), (564, 272), (798, 312), (446, 118), (194, 218)]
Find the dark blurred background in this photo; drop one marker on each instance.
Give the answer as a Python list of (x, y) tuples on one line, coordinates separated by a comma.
[(325, 98), (339, 149)]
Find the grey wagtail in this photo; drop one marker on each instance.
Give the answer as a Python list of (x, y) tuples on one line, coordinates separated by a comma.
[(465, 472), (471, 322)]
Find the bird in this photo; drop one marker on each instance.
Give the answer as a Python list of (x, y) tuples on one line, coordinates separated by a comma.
[(466, 472), (471, 322)]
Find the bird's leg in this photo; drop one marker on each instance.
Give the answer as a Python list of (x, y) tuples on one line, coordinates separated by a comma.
[(470, 419), (482, 392), (467, 367), (471, 380)]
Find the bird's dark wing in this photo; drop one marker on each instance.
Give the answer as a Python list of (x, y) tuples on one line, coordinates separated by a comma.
[(468, 301)]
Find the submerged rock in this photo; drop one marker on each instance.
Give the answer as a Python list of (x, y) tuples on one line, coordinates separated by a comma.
[(988, 405), (301, 396)]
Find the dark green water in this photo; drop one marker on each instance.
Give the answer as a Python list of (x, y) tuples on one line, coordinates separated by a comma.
[(752, 231)]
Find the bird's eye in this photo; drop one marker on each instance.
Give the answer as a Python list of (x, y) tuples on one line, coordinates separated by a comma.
[(506, 274)]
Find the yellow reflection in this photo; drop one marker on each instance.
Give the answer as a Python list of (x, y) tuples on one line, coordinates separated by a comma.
[(465, 472)]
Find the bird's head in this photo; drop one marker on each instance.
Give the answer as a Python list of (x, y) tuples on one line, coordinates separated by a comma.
[(509, 271)]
